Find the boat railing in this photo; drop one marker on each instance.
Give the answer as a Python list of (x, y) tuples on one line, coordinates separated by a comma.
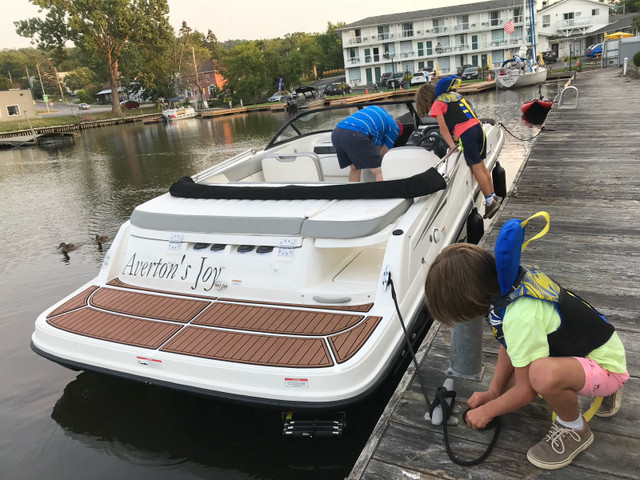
[(227, 163)]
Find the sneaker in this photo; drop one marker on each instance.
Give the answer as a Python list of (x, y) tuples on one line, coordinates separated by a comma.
[(559, 447), (610, 404), (490, 211)]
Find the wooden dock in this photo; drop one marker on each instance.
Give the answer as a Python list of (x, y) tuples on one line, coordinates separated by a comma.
[(583, 170)]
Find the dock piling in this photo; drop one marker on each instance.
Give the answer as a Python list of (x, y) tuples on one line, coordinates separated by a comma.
[(466, 350)]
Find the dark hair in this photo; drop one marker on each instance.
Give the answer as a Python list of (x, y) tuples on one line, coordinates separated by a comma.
[(461, 284), (425, 96)]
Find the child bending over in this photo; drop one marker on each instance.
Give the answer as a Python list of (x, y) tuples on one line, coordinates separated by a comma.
[(553, 344)]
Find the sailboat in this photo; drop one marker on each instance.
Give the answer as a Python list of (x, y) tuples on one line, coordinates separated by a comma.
[(521, 71)]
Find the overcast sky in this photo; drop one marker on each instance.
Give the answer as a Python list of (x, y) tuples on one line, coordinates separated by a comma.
[(244, 19)]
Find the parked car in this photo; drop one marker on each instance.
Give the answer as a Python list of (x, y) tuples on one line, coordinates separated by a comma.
[(337, 89), (278, 97), (84, 106), (130, 104), (550, 56), (395, 80), (460, 70), (595, 50), (470, 73), (383, 79), (419, 78)]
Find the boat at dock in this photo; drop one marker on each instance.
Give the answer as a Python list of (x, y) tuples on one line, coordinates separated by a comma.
[(514, 74), (179, 113), (270, 279)]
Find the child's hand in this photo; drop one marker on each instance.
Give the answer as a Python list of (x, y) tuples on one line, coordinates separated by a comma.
[(480, 398), (477, 418)]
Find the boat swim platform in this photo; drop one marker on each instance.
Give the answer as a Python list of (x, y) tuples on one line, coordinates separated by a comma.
[(281, 335), (582, 170)]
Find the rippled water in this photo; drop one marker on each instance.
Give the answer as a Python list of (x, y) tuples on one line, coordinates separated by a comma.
[(60, 424)]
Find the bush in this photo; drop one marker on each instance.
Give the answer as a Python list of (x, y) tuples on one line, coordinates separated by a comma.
[(85, 97), (636, 59)]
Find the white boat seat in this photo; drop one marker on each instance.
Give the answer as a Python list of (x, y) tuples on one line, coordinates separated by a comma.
[(404, 162), (309, 218), (299, 168)]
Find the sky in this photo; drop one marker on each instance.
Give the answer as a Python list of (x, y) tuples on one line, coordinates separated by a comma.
[(243, 19)]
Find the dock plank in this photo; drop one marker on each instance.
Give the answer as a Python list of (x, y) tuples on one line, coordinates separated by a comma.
[(582, 169)]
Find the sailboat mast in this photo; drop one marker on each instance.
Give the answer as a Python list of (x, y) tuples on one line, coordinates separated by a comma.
[(532, 28)]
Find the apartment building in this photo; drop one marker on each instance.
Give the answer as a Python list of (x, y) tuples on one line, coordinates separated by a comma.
[(449, 37)]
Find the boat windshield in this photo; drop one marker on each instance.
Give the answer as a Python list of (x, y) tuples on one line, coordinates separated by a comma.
[(325, 119)]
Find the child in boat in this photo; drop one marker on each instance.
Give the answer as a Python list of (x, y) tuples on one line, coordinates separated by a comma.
[(363, 138), (457, 120), (583, 357)]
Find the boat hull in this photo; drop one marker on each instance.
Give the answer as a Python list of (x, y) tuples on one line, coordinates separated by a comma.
[(283, 303), (512, 79)]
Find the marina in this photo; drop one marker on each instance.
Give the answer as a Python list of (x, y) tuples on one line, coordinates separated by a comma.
[(587, 183)]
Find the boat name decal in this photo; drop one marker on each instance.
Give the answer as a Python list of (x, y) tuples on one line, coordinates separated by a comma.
[(205, 275)]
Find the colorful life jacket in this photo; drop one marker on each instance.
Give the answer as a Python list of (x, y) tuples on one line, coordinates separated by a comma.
[(582, 328), (458, 109)]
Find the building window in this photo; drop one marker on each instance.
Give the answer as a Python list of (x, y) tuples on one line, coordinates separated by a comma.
[(429, 48), (494, 19), (207, 78), (13, 110), (421, 49), (407, 30), (517, 15), (595, 11), (546, 20)]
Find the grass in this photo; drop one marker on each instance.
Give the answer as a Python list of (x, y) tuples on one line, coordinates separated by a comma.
[(71, 119)]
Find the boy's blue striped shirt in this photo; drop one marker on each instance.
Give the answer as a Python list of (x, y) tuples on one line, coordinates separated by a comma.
[(375, 122)]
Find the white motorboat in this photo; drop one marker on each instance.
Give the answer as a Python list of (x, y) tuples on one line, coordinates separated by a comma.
[(179, 113), (265, 279), (520, 74)]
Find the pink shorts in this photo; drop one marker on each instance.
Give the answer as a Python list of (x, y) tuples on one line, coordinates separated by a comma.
[(600, 382)]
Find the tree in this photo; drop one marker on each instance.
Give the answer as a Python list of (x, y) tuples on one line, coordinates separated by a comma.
[(78, 79), (243, 68), (101, 27), (331, 48)]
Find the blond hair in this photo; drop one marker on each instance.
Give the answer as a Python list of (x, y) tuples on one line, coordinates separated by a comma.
[(461, 284), (425, 96)]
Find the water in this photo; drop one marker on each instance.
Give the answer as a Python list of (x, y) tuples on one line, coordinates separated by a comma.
[(60, 424)]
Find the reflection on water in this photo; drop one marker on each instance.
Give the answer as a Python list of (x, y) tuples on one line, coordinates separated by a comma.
[(124, 429)]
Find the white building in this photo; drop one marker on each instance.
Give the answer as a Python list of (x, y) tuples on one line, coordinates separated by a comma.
[(568, 25), (449, 37)]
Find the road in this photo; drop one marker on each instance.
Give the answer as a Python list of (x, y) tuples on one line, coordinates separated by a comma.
[(60, 109)]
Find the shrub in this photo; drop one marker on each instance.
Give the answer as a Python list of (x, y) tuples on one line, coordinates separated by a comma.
[(636, 59)]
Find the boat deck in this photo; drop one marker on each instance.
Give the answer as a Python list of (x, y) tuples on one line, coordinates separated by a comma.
[(583, 171), (217, 328)]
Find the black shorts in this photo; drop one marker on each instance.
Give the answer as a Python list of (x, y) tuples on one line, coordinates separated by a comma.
[(355, 148), (473, 144)]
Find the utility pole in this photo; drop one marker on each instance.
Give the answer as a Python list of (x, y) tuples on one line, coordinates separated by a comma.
[(42, 87), (57, 78), (195, 68)]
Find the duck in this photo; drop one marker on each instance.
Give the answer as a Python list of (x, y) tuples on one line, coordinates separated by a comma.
[(100, 239), (66, 247)]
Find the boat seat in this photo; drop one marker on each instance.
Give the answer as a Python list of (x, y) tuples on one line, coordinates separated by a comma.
[(404, 162), (302, 168)]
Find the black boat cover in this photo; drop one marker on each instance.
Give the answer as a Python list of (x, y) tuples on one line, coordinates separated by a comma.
[(424, 183)]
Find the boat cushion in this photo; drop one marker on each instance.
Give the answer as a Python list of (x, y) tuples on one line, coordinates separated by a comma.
[(309, 218), (303, 167), (354, 218)]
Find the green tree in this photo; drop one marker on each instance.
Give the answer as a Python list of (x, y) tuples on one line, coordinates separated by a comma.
[(80, 78), (5, 83), (244, 71), (331, 47), (103, 28)]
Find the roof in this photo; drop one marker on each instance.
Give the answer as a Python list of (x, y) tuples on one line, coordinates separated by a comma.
[(431, 13), (618, 22), (553, 5)]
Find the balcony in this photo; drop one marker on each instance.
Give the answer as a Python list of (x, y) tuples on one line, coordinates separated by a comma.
[(574, 23), (354, 60), (439, 29), (406, 54), (461, 27), (407, 33), (383, 36)]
